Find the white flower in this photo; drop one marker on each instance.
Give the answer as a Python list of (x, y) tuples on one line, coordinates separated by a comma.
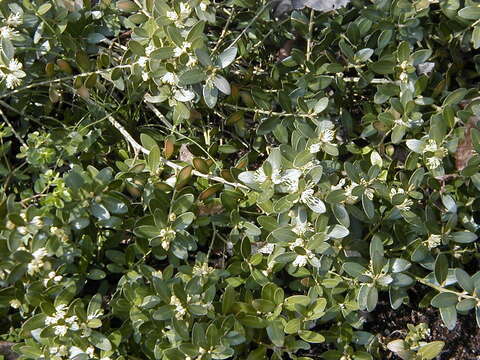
[(14, 19), (299, 242), (145, 76), (434, 162), (394, 192), (287, 180), (314, 203), (7, 32), (431, 146), (351, 199), (369, 193), (192, 61), (260, 176), (71, 319), (405, 205), (15, 303), (326, 136), (172, 15), (142, 61), (434, 240), (180, 311), (149, 49), (314, 148), (203, 5), (178, 51), (61, 330), (267, 248), (300, 260), (14, 65), (169, 78), (185, 9), (301, 228), (12, 81), (90, 351), (37, 262), (13, 76), (202, 270)]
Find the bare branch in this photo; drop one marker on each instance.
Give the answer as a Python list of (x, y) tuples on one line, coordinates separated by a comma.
[(139, 148)]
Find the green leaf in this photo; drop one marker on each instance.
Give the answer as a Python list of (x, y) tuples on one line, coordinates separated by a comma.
[(383, 67), (227, 57), (430, 350), (44, 8), (275, 333), (311, 336), (190, 77), (284, 235), (354, 269), (444, 299), (455, 97), (100, 341), (183, 221), (35, 322), (470, 13), (368, 206), (441, 268), (464, 237), (222, 84), (136, 48), (321, 105), (449, 316), (372, 298), (210, 95), (464, 280), (154, 159)]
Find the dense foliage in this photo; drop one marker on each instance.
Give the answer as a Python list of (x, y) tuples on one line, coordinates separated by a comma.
[(235, 179)]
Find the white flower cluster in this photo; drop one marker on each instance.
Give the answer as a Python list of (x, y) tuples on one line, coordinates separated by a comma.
[(65, 352), (59, 233), (12, 73), (434, 154), (406, 204), (52, 276), (314, 203), (8, 30), (433, 241), (37, 263), (61, 322), (326, 134), (167, 235), (301, 260), (180, 310), (350, 199), (263, 248), (202, 270)]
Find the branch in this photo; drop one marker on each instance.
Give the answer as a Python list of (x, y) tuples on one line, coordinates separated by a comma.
[(139, 148)]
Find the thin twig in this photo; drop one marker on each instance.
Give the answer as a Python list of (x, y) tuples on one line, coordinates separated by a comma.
[(224, 32), (441, 289), (66, 78), (264, 7), (158, 114), (310, 35), (139, 148), (17, 135), (267, 112)]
